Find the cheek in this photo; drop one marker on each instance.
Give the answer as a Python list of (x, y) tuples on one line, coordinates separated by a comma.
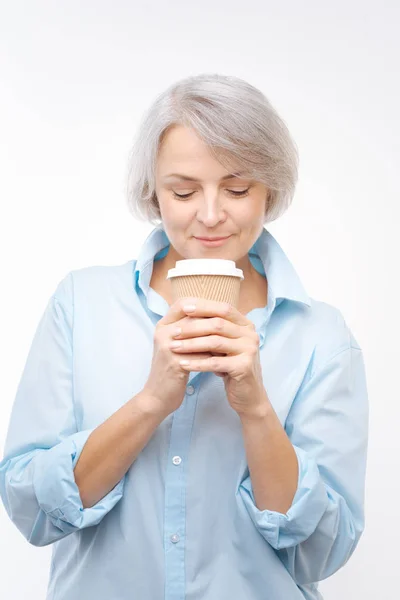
[(179, 219), (173, 213), (247, 218), (251, 215), (177, 223)]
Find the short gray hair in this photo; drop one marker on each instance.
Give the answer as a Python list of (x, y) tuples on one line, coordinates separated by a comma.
[(239, 125)]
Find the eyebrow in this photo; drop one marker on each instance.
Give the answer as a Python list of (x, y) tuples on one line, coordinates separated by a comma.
[(187, 178)]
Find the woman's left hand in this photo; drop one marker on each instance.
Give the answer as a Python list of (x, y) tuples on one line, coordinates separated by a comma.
[(228, 332)]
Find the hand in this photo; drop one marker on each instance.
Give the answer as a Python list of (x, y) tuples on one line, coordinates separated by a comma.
[(166, 383), (230, 334)]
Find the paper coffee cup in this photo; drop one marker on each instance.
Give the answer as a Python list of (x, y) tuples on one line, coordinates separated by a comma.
[(211, 278)]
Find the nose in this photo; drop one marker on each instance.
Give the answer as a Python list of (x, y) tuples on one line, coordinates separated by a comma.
[(210, 211)]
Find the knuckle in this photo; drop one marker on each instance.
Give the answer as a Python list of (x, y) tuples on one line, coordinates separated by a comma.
[(227, 308), (214, 362), (253, 351), (175, 362), (181, 374), (217, 342), (219, 323)]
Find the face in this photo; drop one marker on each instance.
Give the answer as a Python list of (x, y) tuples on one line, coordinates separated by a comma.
[(213, 203)]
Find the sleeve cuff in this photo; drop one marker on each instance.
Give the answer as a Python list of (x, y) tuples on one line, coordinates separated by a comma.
[(57, 492), (308, 506)]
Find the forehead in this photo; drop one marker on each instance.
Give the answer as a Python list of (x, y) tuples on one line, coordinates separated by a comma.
[(182, 177), (183, 156)]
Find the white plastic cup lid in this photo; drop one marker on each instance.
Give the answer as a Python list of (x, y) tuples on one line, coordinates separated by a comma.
[(205, 266)]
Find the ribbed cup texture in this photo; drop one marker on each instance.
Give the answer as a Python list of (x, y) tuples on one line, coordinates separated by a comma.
[(222, 288)]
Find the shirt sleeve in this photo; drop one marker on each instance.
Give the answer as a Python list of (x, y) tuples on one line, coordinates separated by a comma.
[(43, 444), (327, 425)]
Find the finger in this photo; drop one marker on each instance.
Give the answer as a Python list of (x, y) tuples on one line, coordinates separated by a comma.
[(211, 308), (201, 355), (214, 364), (176, 311), (192, 327), (198, 356), (210, 343)]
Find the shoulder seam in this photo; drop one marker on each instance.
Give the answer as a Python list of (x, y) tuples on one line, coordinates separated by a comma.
[(337, 353), (62, 305), (69, 275)]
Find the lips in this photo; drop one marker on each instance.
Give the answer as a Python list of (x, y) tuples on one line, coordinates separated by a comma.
[(213, 239)]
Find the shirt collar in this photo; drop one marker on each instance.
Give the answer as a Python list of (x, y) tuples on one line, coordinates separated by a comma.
[(283, 281)]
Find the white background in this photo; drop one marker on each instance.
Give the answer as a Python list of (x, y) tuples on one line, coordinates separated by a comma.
[(75, 80)]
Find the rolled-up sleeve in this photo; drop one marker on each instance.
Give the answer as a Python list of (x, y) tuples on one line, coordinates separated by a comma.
[(43, 444), (328, 427)]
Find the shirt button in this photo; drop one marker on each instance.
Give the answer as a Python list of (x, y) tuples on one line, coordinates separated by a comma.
[(177, 460), (175, 538), (190, 390)]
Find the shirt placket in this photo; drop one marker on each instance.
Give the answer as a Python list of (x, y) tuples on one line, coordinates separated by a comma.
[(175, 492)]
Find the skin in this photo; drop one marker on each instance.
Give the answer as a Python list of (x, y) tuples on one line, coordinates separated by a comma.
[(211, 210), (226, 332), (271, 458), (115, 444)]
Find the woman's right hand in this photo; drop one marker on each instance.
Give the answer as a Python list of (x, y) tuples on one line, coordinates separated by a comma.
[(167, 380)]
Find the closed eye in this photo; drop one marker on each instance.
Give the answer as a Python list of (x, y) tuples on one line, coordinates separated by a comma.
[(233, 192)]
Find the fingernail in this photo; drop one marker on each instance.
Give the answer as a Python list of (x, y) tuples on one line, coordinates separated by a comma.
[(178, 331), (175, 344), (189, 307)]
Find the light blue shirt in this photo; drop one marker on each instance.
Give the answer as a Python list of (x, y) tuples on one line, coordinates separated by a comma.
[(182, 524)]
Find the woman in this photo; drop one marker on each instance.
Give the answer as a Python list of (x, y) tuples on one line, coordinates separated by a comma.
[(238, 475)]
